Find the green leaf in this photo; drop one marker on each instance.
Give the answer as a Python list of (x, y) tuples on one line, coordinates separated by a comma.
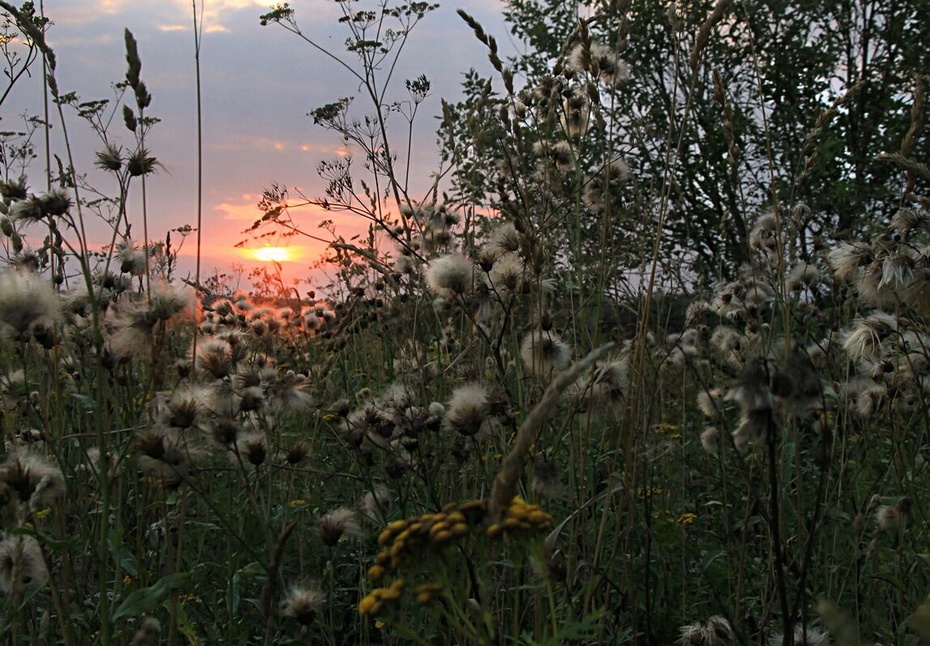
[(146, 599), (86, 402)]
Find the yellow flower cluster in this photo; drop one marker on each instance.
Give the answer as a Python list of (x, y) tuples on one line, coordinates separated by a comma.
[(520, 516), (374, 602), (409, 537), (687, 518)]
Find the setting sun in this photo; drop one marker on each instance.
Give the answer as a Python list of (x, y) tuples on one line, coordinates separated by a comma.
[(272, 254)]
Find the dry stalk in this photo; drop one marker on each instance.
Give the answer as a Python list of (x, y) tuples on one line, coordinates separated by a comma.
[(505, 483)]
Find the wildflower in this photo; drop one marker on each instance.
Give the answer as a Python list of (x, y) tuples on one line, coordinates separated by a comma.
[(887, 517), (303, 603), (451, 274), (687, 519), (335, 524), (14, 189), (26, 300), (906, 219), (717, 630), (288, 394), (36, 208), (374, 503), (544, 352), (134, 323), (251, 398), (30, 479), (21, 564), (468, 410), (182, 410)]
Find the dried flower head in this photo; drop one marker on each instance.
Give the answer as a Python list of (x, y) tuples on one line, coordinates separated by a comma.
[(253, 447), (303, 603), (505, 239), (544, 352), (31, 480), (450, 275), (468, 410), (599, 59), (26, 299), (849, 257), (716, 631), (21, 564), (338, 523), (802, 637), (164, 457), (866, 338)]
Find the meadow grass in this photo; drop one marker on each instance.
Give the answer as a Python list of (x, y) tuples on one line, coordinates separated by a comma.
[(485, 431)]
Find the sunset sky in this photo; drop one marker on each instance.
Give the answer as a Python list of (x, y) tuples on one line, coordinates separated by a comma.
[(258, 84)]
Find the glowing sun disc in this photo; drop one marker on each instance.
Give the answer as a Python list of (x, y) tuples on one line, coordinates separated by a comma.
[(272, 254)]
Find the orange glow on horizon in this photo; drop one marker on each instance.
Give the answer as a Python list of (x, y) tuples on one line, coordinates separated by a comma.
[(272, 254)]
